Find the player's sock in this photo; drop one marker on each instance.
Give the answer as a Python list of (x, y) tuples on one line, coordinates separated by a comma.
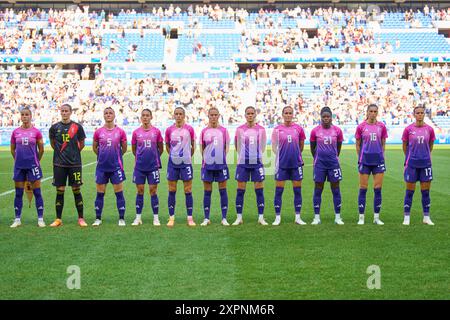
[(78, 197), (337, 201), (426, 202), (260, 201), (139, 203), (362, 200), (408, 202), (239, 201), (39, 202), (298, 201), (278, 200), (59, 203), (99, 205), (18, 202), (189, 203), (224, 202), (171, 202), (120, 202), (377, 201), (207, 203), (155, 204), (317, 200)]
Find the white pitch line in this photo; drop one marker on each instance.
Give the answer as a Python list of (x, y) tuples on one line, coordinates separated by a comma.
[(43, 180)]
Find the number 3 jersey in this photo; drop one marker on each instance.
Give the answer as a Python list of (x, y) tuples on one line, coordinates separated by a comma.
[(286, 144), (66, 137), (109, 141), (326, 156), (418, 153), (371, 136), (147, 153), (251, 143), (26, 156)]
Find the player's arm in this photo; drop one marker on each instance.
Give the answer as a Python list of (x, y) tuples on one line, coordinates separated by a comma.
[(81, 145), (160, 148), (339, 147), (274, 140), (168, 147), (40, 145), (192, 147), (431, 145), (51, 135), (95, 147), (405, 147), (313, 147), (124, 146), (383, 144), (13, 150), (358, 145), (263, 141), (302, 145), (133, 149)]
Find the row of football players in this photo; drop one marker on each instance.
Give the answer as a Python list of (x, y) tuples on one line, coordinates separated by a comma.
[(110, 143)]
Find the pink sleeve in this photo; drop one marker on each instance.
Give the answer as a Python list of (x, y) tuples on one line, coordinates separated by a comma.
[(95, 138), (13, 137), (133, 138), (340, 135), (38, 135), (236, 134), (405, 135), (432, 135), (200, 139), (312, 137), (159, 137), (167, 135), (227, 137), (274, 136), (192, 133), (302, 134), (384, 133), (123, 136), (358, 132)]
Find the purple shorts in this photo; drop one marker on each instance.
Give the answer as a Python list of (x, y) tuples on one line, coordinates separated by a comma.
[(116, 177), (32, 174), (250, 174), (418, 174), (140, 177), (215, 175), (364, 169), (183, 173), (322, 175), (293, 174)]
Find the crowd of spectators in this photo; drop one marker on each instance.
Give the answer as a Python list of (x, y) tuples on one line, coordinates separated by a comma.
[(268, 88)]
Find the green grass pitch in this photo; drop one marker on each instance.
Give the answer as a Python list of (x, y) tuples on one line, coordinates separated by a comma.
[(244, 262)]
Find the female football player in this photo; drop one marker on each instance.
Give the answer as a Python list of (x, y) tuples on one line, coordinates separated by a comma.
[(418, 139), (370, 141), (326, 142)]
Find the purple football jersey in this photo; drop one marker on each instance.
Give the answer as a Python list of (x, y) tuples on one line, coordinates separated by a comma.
[(286, 144), (326, 152), (418, 154), (252, 143), (147, 153), (25, 140), (109, 141), (371, 136), (180, 140), (215, 142)]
